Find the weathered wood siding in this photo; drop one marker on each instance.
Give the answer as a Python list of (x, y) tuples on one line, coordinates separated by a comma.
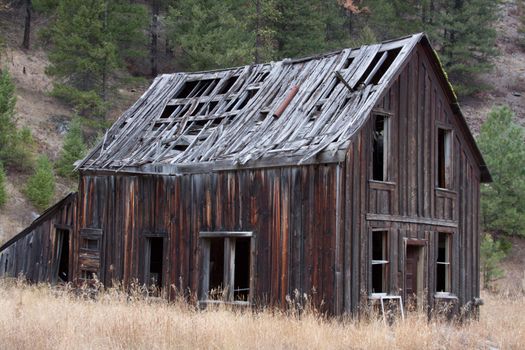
[(292, 211), (410, 204), (33, 252)]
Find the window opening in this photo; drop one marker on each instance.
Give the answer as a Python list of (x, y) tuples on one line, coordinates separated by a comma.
[(379, 148), (242, 269), (227, 266), (63, 254), (216, 267), (154, 261), (444, 155), (443, 263), (90, 244), (379, 261)]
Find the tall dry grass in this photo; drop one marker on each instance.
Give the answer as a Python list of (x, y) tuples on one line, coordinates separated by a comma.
[(40, 317)]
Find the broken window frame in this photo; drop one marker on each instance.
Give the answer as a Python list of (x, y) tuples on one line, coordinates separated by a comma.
[(385, 262), (148, 237), (444, 161), (87, 273), (230, 239), (446, 263), (387, 121)]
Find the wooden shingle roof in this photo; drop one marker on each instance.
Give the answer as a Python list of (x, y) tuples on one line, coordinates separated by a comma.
[(288, 112)]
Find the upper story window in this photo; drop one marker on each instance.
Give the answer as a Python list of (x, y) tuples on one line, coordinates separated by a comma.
[(444, 158), (380, 148)]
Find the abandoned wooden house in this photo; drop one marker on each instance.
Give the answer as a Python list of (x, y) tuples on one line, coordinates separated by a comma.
[(349, 176)]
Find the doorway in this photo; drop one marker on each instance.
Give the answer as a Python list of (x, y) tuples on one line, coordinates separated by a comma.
[(154, 261), (63, 254), (414, 274)]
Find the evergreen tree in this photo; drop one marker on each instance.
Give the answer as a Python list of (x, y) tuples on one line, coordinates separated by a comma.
[(91, 38), (212, 34), (466, 39), (503, 201), (491, 253), (301, 28), (73, 149), (3, 191), (15, 145), (40, 188)]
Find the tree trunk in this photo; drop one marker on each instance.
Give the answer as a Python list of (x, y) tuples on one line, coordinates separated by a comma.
[(154, 55), (27, 25)]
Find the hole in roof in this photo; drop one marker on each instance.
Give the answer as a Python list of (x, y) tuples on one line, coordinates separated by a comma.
[(316, 112), (187, 89), (197, 109), (369, 69), (197, 88), (262, 77), (157, 126), (211, 107), (348, 62), (334, 83), (227, 85), (251, 94), (391, 56), (263, 115), (168, 110), (123, 125)]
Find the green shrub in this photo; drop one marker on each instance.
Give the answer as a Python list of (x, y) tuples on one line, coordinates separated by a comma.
[(73, 150), (491, 253), (503, 201), (40, 187), (3, 192)]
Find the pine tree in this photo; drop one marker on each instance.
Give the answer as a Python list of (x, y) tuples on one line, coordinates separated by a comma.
[(73, 149), (212, 34), (301, 28), (90, 40), (503, 201), (491, 253), (465, 37), (40, 188), (15, 145), (3, 191)]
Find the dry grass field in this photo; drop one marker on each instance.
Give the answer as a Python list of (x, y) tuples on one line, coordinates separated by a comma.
[(40, 317)]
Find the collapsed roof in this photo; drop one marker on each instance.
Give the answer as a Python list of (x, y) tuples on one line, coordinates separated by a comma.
[(287, 112)]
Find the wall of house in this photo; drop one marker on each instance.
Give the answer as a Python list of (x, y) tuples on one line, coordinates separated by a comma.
[(292, 212), (410, 204), (34, 252)]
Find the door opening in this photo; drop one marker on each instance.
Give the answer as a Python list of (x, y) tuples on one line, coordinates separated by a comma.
[(63, 254), (154, 261), (414, 278)]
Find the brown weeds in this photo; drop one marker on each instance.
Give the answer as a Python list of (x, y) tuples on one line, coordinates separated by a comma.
[(43, 317)]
